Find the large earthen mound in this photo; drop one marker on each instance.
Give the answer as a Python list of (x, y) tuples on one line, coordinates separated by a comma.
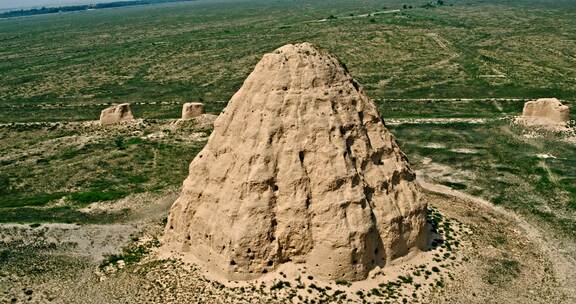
[(299, 168), (546, 111), (116, 114)]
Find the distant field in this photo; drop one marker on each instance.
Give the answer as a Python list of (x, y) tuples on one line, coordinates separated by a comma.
[(204, 50)]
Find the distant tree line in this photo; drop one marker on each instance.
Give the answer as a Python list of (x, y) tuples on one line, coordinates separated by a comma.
[(76, 8)]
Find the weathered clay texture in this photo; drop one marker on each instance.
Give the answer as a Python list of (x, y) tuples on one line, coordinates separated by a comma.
[(116, 114), (300, 168), (546, 111), (192, 109)]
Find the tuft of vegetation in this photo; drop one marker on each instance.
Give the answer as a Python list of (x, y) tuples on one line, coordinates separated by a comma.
[(131, 254), (280, 285), (502, 271), (343, 283)]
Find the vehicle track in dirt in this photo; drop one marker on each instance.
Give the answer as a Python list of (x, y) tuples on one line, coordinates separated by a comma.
[(564, 265)]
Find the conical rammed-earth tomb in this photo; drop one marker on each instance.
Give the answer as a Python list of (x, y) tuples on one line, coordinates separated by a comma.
[(299, 168)]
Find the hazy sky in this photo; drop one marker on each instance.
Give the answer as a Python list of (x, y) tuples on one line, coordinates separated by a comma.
[(4, 4)]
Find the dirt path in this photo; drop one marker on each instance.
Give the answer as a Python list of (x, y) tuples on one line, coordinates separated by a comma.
[(451, 99), (564, 265), (402, 121), (442, 44), (82, 105), (373, 14)]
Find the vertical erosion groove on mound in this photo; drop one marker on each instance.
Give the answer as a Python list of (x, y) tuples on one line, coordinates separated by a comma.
[(300, 168)]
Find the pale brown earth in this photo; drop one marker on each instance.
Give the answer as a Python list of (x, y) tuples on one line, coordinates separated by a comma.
[(116, 114), (192, 109), (299, 169)]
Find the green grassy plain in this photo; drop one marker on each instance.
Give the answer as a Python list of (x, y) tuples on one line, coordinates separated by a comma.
[(204, 50), (48, 172), (501, 162)]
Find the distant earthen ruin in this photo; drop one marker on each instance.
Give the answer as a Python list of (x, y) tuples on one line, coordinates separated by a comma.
[(299, 169), (545, 111), (116, 114), (192, 109)]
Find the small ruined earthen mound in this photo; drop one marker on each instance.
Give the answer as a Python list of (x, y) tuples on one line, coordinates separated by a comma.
[(116, 114), (192, 109), (545, 111), (300, 168)]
